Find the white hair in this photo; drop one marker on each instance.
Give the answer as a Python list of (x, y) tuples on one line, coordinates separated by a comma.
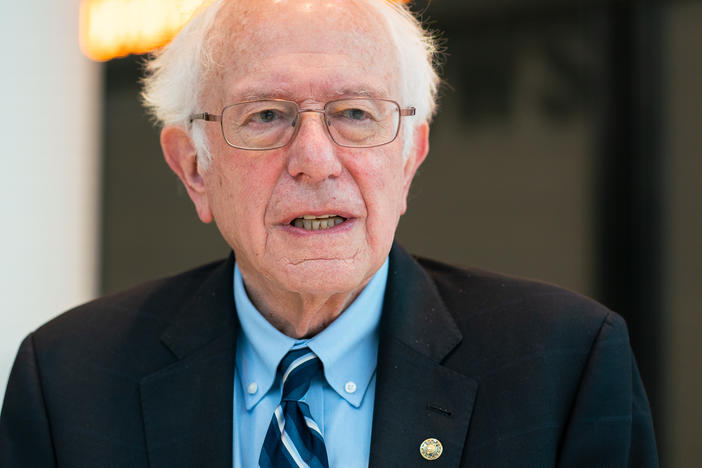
[(416, 51), (175, 74)]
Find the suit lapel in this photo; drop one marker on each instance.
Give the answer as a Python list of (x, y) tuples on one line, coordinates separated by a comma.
[(187, 406), (416, 397)]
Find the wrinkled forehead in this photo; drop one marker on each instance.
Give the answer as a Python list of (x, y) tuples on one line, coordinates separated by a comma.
[(249, 35)]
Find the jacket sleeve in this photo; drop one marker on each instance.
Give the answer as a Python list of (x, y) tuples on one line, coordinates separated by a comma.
[(610, 423), (25, 436)]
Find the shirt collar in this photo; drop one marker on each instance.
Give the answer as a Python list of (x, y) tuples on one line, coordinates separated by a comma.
[(348, 347), (259, 348)]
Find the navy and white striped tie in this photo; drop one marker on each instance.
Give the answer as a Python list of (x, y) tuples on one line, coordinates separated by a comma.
[(293, 438)]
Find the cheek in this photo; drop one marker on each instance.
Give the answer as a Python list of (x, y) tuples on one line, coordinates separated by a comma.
[(243, 180), (222, 202), (381, 181), (238, 194), (221, 189)]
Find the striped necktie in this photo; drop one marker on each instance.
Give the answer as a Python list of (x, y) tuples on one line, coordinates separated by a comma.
[(293, 438)]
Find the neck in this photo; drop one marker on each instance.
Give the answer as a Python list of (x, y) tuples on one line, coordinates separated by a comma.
[(299, 315)]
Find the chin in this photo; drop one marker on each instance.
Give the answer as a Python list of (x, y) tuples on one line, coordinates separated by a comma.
[(326, 277)]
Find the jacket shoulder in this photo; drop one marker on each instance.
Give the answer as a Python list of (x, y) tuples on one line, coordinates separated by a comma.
[(120, 323), (493, 290), (503, 313), (155, 297)]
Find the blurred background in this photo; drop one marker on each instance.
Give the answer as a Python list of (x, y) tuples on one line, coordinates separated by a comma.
[(566, 149)]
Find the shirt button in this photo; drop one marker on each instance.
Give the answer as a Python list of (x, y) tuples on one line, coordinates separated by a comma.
[(350, 387), (252, 388)]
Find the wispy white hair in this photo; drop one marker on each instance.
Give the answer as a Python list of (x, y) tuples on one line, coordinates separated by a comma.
[(175, 74)]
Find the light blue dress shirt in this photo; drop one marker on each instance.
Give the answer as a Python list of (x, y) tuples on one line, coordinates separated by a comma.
[(341, 401)]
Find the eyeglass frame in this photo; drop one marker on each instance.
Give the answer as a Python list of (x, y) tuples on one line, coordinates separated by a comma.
[(206, 116)]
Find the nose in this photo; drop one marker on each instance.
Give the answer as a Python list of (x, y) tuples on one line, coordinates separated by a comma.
[(312, 155)]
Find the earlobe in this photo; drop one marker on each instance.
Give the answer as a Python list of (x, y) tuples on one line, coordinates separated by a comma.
[(419, 152), (181, 156)]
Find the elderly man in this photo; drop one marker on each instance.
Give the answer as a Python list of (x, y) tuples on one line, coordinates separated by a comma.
[(297, 126)]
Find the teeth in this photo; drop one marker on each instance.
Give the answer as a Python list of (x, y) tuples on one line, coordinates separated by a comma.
[(316, 223), (318, 217)]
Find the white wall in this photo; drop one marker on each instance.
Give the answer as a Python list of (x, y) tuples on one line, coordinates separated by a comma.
[(49, 154)]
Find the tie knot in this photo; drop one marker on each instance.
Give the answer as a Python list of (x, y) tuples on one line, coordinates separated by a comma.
[(298, 368)]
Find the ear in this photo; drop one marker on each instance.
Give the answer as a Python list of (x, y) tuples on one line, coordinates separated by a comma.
[(181, 155), (418, 154)]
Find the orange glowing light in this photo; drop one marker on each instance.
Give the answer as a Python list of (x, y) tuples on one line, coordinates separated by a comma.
[(115, 28)]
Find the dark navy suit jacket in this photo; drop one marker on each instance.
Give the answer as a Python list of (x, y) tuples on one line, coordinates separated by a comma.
[(504, 372)]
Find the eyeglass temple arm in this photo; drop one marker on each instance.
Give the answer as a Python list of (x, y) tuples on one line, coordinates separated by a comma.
[(205, 116), (408, 111)]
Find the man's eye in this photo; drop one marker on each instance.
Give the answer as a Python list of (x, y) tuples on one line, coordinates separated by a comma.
[(355, 114), (262, 117), (266, 116)]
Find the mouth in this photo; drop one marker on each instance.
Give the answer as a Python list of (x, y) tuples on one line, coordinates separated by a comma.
[(317, 223)]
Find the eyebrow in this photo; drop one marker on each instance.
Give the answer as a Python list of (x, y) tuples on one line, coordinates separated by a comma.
[(360, 92), (255, 94)]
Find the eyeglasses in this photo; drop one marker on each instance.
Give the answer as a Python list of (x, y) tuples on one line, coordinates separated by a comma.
[(273, 123)]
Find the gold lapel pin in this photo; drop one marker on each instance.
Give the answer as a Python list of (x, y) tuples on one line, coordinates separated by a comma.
[(431, 449)]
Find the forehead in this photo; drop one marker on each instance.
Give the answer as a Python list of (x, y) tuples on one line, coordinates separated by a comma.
[(302, 49)]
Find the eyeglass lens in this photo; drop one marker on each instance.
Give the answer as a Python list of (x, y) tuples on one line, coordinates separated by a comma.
[(272, 124)]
